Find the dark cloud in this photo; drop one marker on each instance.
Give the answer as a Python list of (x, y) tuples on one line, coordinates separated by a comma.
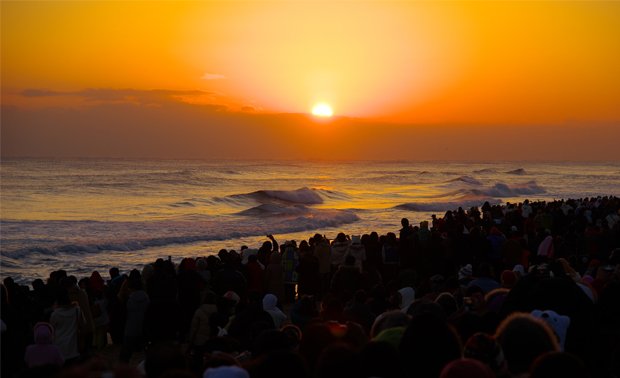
[(184, 130), (120, 95)]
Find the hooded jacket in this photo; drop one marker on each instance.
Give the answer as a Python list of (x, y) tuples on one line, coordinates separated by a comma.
[(269, 305), (339, 249), (323, 252), (358, 251), (274, 276), (408, 296), (65, 321), (42, 352), (136, 308), (200, 329), (78, 295), (496, 240), (546, 247)]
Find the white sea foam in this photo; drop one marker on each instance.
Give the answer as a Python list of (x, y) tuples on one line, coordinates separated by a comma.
[(318, 219), (503, 190)]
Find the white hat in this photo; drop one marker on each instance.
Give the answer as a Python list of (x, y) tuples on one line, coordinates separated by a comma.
[(465, 272)]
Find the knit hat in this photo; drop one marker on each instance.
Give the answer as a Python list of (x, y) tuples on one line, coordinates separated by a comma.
[(43, 333), (483, 347), (519, 268), (509, 278), (465, 272), (226, 372), (559, 323), (232, 296), (466, 367)]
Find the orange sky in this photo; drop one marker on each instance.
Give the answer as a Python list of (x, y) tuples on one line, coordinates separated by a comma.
[(483, 67)]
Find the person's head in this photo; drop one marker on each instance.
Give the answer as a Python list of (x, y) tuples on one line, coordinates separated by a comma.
[(349, 260), (437, 283), (292, 331), (341, 238), (378, 292), (428, 345), (281, 364), (391, 238), (447, 302), (135, 275), (315, 339), (66, 282), (339, 361), (387, 320), (484, 270), (162, 358), (523, 338), (209, 298), (381, 359), (201, 264), (114, 272), (360, 296), (62, 296), (483, 347), (558, 364), (43, 333), (135, 285), (466, 367), (404, 222), (255, 297)]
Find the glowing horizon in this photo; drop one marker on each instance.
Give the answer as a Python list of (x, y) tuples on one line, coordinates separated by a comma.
[(489, 63)]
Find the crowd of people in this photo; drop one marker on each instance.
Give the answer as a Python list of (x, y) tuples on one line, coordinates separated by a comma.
[(527, 289)]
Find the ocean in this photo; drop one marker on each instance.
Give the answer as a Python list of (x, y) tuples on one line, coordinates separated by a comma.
[(92, 214)]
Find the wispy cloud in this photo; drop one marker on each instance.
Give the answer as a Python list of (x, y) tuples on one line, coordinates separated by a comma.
[(209, 76), (119, 94), (248, 108)]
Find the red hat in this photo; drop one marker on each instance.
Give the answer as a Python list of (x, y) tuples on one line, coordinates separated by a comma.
[(594, 263), (509, 278)]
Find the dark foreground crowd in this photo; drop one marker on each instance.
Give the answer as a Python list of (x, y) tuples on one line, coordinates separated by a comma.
[(520, 290)]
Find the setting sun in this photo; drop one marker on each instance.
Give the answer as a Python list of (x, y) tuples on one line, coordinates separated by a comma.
[(322, 110)]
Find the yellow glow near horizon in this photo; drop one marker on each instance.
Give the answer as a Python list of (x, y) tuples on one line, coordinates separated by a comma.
[(322, 110), (422, 62)]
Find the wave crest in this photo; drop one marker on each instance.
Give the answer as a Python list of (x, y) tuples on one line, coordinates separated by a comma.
[(445, 206), (503, 190), (270, 209)]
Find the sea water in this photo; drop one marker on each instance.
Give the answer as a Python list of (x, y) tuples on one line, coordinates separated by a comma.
[(92, 214)]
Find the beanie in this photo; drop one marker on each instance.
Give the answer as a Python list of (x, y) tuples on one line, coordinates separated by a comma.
[(465, 272)]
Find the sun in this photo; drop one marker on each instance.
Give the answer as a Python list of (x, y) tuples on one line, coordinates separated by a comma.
[(322, 110)]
